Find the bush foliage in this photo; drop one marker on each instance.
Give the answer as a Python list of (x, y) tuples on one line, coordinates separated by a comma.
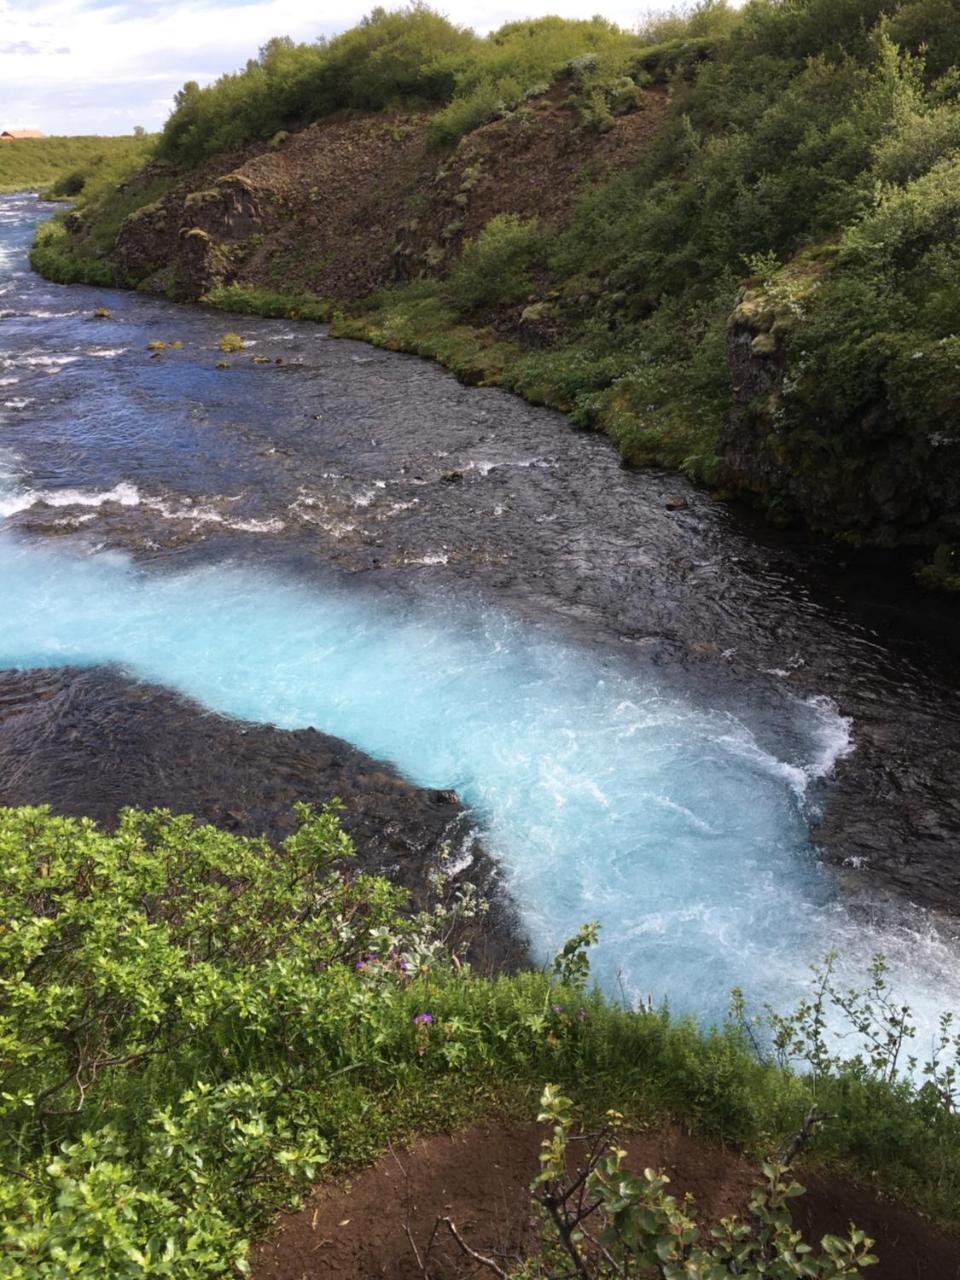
[(195, 1026), (393, 58)]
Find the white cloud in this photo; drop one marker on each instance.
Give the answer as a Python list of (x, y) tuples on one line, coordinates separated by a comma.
[(103, 66)]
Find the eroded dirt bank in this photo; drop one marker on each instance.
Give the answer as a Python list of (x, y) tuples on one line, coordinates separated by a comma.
[(344, 207), (357, 1229)]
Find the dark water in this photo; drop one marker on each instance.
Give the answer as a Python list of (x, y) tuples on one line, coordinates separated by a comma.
[(660, 716)]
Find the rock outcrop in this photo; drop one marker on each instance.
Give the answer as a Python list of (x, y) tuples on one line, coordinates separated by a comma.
[(864, 475), (344, 207), (89, 742)]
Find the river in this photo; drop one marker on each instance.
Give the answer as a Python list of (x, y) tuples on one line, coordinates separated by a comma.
[(736, 749)]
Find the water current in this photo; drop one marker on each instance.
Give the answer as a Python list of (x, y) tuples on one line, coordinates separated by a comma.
[(641, 707)]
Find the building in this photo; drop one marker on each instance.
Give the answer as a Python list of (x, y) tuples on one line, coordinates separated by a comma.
[(11, 135)]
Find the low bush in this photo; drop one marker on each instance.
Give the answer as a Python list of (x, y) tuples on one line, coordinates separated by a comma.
[(195, 1026), (484, 102), (248, 300), (603, 1222), (496, 266), (392, 58)]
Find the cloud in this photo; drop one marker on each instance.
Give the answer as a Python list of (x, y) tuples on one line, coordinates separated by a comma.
[(103, 66), (21, 47)]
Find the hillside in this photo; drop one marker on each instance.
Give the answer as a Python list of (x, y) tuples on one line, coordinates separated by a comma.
[(31, 164), (728, 240)]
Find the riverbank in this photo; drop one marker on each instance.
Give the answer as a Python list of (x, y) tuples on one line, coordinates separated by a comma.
[(593, 244), (255, 1022), (92, 742)]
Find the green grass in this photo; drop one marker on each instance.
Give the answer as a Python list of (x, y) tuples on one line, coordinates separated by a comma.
[(248, 300), (177, 1061), (33, 164)]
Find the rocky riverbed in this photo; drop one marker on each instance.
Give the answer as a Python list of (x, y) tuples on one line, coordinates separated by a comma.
[(344, 468), (90, 742)]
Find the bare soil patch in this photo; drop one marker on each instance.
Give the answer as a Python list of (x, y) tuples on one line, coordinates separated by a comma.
[(357, 1229)]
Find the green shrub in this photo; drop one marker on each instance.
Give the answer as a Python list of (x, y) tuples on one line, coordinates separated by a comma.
[(603, 1222), (52, 255), (594, 111), (195, 1026), (464, 114), (410, 56), (495, 267)]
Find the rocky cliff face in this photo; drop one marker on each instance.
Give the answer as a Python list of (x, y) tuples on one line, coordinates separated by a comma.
[(865, 476), (346, 206), (755, 356)]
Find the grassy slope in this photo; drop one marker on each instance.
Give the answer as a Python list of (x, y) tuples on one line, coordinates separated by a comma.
[(31, 164)]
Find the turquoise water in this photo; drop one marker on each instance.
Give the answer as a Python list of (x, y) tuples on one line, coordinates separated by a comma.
[(606, 797), (607, 794)]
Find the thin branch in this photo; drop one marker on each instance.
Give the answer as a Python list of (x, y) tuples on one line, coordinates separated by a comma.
[(472, 1253), (565, 1231), (811, 1122)]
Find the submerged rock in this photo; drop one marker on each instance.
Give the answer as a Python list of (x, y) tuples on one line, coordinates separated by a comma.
[(89, 742)]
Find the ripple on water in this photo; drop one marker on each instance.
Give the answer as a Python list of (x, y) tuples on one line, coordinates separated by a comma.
[(605, 796)]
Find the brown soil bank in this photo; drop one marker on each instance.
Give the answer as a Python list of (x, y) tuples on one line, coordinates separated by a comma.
[(344, 207), (358, 1230)]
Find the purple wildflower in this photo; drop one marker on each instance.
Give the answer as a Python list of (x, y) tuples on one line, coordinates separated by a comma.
[(557, 1009), (583, 1012), (423, 1018)]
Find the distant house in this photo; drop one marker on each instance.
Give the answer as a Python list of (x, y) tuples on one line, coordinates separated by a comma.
[(11, 135)]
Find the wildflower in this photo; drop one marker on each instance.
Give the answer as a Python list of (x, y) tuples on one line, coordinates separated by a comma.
[(423, 1018), (361, 965), (557, 1009), (583, 1012)]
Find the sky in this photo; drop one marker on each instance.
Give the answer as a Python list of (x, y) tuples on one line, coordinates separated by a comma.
[(104, 66)]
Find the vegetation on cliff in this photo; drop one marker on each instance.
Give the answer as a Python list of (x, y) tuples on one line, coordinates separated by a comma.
[(759, 289), (399, 58), (64, 165), (195, 1027)]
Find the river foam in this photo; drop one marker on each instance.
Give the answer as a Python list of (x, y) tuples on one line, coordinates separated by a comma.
[(606, 796), (682, 827)]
